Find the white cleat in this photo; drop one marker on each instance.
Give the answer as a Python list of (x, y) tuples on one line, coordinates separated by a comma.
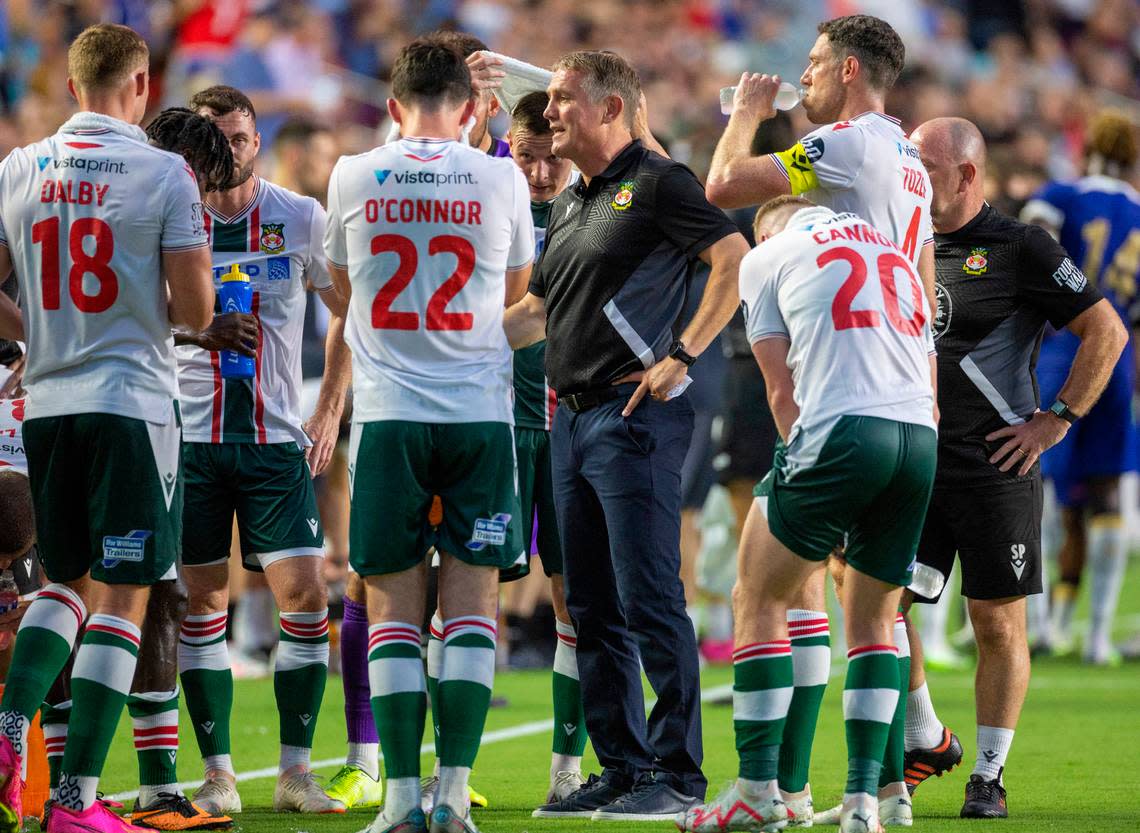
[(218, 795), (298, 792), (731, 811), (894, 811), (800, 810), (563, 784), (860, 815)]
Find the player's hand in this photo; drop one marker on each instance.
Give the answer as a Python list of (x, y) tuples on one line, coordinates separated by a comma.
[(1028, 441), (484, 72), (657, 382), (13, 387), (237, 331), (10, 621), (322, 428), (755, 95)]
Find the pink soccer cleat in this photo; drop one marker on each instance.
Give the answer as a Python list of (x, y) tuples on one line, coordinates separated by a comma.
[(11, 786), (97, 818)]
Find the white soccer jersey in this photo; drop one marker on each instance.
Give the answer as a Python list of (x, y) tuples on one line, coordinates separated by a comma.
[(276, 239), (427, 229), (856, 316), (12, 431), (86, 215), (866, 166)]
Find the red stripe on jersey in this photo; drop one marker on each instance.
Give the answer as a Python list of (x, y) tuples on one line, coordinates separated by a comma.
[(259, 404), (255, 230), (208, 222), (219, 392), (424, 159), (83, 145)]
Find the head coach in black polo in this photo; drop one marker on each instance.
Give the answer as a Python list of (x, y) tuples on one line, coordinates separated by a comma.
[(620, 248)]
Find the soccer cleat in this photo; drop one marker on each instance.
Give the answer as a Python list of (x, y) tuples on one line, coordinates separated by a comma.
[(801, 812), (598, 791), (353, 787), (984, 799), (861, 815), (446, 820), (564, 784), (894, 811), (97, 818), (920, 764), (297, 791), (414, 822), (476, 798), (430, 784), (11, 788), (732, 811), (218, 795), (172, 811)]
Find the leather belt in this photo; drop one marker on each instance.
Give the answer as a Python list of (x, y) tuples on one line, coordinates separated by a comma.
[(587, 399)]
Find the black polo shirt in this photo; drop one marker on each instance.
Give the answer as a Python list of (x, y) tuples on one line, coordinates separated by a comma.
[(618, 258)]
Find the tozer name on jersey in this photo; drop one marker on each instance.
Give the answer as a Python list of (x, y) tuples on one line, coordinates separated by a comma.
[(68, 190), (457, 212)]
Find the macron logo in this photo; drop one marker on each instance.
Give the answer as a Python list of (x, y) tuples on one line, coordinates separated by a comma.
[(381, 176)]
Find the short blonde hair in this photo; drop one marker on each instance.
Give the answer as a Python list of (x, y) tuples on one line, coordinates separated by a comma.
[(104, 56), (776, 204), (606, 73)]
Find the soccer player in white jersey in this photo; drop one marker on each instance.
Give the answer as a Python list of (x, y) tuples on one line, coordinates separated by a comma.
[(429, 237), (857, 161), (848, 366), (245, 451), (123, 222)]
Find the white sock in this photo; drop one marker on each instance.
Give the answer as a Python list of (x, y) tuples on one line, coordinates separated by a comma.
[(757, 790), (149, 794), (453, 787), (401, 796), (1108, 552), (564, 763), (222, 763), (993, 746), (78, 792), (923, 728), (366, 757), (294, 756)]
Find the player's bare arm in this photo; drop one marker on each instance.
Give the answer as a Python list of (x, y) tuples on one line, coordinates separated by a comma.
[(237, 331), (340, 281), (926, 275), (772, 356), (11, 321), (1103, 337), (736, 177), (324, 425), (525, 322), (188, 276), (720, 301), (517, 282)]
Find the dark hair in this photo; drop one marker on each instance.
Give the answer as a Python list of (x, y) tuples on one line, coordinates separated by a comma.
[(527, 116), (464, 42), (872, 41), (429, 72), (199, 141), (17, 520), (223, 100), (773, 135), (298, 130)]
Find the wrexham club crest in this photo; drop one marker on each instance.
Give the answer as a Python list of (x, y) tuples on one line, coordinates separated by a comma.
[(976, 263), (623, 199), (272, 238)]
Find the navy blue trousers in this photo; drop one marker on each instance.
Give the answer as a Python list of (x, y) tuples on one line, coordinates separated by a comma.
[(617, 490)]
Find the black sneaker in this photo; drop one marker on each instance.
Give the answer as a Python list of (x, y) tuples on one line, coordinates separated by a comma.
[(598, 791), (649, 800), (984, 799), (920, 764)]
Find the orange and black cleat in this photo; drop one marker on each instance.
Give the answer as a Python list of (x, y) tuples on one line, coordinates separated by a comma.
[(176, 812), (920, 764)]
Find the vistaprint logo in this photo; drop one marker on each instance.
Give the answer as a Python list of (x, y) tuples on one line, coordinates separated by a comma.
[(91, 166), (425, 178)]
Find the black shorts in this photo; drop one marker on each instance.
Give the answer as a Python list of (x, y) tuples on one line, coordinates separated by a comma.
[(996, 532), (747, 436)]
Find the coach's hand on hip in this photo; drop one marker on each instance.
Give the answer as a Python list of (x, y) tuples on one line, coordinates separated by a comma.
[(1028, 441), (657, 382)]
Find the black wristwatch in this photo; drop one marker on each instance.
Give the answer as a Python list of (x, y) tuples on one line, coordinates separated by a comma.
[(677, 351), (1060, 409)]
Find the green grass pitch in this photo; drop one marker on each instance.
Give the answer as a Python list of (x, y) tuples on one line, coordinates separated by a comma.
[(1073, 766)]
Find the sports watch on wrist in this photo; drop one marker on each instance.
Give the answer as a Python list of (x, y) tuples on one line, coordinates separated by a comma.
[(1060, 409), (677, 351)]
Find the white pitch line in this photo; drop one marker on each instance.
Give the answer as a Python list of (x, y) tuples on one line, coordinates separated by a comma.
[(522, 730)]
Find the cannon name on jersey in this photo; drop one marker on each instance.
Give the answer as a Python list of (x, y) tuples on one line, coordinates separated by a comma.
[(276, 240)]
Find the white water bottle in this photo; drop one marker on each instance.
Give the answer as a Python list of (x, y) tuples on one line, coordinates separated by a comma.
[(787, 97), (926, 581)]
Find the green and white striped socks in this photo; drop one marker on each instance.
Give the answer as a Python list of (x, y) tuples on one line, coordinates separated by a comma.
[(893, 767), (869, 699), (299, 682), (100, 682), (569, 716), (53, 721), (204, 664), (399, 706), (811, 663), (154, 716), (465, 682), (761, 695)]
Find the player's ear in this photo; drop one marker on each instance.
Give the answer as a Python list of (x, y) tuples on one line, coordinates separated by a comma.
[(469, 110), (71, 89), (850, 69), (614, 109), (394, 110), (493, 106)]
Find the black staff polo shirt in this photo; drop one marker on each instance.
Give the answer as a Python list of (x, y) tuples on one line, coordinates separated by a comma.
[(619, 255)]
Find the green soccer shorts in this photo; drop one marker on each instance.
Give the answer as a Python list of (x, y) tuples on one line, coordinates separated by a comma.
[(268, 486), (394, 469), (107, 492), (536, 495), (871, 483)]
